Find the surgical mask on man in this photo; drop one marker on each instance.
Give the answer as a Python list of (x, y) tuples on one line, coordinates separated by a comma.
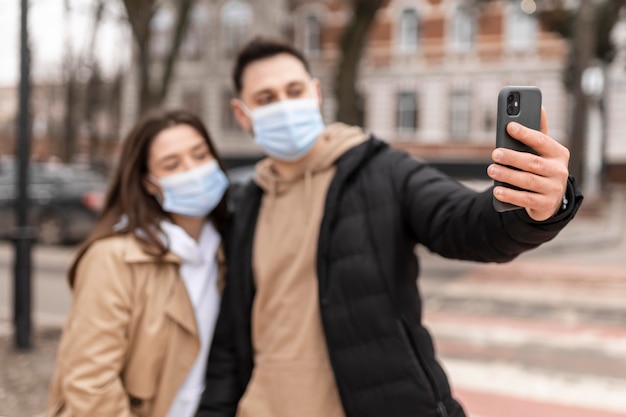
[(288, 129), (193, 193)]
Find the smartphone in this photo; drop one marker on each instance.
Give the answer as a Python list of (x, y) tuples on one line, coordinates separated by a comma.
[(521, 104)]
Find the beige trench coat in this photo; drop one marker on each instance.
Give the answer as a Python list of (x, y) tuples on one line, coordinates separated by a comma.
[(131, 336)]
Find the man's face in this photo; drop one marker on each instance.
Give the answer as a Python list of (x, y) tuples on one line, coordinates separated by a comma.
[(269, 80)]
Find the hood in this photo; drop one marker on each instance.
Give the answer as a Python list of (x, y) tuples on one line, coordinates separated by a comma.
[(337, 138)]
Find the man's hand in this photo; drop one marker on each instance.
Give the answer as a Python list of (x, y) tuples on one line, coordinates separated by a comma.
[(543, 177)]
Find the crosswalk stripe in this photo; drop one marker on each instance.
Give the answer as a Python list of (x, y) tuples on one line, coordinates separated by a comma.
[(608, 340), (604, 394)]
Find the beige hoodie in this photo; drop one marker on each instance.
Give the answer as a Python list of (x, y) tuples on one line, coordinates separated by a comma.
[(292, 374)]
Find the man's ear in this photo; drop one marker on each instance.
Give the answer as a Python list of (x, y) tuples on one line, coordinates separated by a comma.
[(318, 90), (240, 115)]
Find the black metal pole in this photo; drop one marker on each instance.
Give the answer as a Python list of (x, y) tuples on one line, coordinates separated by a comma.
[(23, 234)]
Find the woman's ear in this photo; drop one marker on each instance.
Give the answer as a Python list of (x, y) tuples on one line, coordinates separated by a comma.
[(151, 187)]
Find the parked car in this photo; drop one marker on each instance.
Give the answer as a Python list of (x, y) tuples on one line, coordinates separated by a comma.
[(64, 201)]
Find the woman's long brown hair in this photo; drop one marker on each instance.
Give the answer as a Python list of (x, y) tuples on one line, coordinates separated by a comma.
[(127, 197)]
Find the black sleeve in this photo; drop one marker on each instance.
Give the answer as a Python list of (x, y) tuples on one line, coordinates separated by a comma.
[(457, 222), (222, 391)]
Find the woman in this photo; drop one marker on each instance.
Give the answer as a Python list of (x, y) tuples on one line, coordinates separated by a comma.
[(145, 283)]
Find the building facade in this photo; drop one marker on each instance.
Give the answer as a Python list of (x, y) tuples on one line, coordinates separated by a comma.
[(432, 69), (429, 77), (615, 104)]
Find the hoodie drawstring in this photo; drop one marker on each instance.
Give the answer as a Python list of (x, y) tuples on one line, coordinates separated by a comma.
[(308, 195)]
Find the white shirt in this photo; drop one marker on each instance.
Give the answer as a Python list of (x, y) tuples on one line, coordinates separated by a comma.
[(199, 271)]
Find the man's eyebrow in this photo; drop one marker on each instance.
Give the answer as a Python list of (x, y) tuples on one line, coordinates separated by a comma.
[(297, 83), (262, 92)]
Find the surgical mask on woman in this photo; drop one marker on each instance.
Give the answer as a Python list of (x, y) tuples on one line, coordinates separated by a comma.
[(287, 129), (193, 193)]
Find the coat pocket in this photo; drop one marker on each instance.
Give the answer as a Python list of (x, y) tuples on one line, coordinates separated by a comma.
[(140, 407), (422, 367), (141, 398)]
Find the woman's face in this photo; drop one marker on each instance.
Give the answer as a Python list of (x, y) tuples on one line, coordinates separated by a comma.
[(176, 149)]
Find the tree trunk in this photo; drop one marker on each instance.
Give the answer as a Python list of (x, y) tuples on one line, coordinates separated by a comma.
[(153, 92), (68, 140), (93, 91), (70, 66), (352, 43), (184, 6)]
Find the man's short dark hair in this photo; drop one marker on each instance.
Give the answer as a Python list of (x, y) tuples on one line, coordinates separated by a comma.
[(261, 48)]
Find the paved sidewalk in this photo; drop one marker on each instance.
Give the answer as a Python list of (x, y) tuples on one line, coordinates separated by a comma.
[(544, 335)]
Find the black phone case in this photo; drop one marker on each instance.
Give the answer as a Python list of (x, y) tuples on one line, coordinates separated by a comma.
[(529, 115)]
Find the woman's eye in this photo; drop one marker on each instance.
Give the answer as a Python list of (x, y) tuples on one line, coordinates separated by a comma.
[(201, 155)]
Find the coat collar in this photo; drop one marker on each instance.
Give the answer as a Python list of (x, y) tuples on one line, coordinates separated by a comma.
[(179, 307), (135, 253)]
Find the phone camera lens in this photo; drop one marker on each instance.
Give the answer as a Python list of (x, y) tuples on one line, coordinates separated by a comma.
[(510, 109), (510, 98)]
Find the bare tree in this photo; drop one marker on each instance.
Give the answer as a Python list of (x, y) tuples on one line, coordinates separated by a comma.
[(352, 44), (93, 96), (152, 91), (81, 77)]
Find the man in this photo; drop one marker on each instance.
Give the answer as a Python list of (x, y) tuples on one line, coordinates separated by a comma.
[(321, 316)]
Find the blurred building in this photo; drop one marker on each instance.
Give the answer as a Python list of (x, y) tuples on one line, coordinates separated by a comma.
[(432, 69), (430, 74), (615, 106), (428, 80), (202, 82)]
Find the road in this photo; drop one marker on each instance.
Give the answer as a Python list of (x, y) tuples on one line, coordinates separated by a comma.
[(542, 336), (51, 295)]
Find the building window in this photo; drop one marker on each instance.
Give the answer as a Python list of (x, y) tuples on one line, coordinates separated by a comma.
[(236, 19), (407, 112), (463, 30), (460, 106), (161, 27), (312, 35), (229, 123), (195, 35), (521, 28), (408, 31)]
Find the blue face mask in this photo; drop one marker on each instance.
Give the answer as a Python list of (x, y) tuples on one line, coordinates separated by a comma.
[(288, 129), (193, 193)]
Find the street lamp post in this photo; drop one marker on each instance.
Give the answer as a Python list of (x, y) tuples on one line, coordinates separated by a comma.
[(593, 87), (23, 234)]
